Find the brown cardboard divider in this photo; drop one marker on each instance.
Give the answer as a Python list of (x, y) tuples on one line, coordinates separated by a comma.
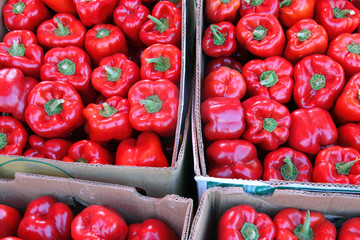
[(174, 210)]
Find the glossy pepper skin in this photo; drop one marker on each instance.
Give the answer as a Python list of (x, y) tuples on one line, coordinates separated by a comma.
[(154, 106), (311, 130), (292, 11), (54, 109), (223, 118), (287, 164), (104, 40), (14, 90), (221, 10), (294, 224), (161, 61), (261, 34), (347, 106), (223, 62), (223, 82), (61, 6), (243, 222), (219, 40), (304, 38), (350, 230), (337, 164), (13, 136), (267, 122), (115, 75), (337, 16), (164, 25), (130, 15), (86, 151), (271, 77), (24, 14), (55, 148), (109, 120), (233, 159), (319, 80), (259, 6), (345, 49), (46, 218), (70, 64), (61, 31), (99, 222), (145, 151), (20, 49), (9, 221), (95, 12), (151, 229), (349, 135)]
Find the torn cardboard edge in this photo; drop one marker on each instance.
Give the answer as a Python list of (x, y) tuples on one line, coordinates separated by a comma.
[(216, 201), (174, 210)]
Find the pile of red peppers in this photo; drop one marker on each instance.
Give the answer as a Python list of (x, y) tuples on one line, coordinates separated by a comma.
[(280, 98), (91, 81)]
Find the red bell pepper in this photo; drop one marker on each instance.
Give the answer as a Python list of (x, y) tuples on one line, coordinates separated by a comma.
[(98, 222), (221, 10), (70, 64), (55, 148), (219, 40), (9, 221), (14, 90), (233, 159), (151, 229), (109, 120), (145, 151), (178, 3), (61, 31), (13, 136), (259, 6), (130, 15), (164, 25), (95, 12), (11, 238), (222, 62), (337, 16), (20, 49), (337, 164), (261, 34), (223, 118), (61, 6), (267, 122), (154, 106), (349, 135), (54, 109), (24, 14), (161, 61), (287, 164), (345, 49), (272, 78), (311, 130), (104, 40), (350, 230), (292, 11), (304, 38), (115, 75), (46, 218), (319, 80), (294, 224), (223, 82), (347, 106), (243, 222), (85, 151)]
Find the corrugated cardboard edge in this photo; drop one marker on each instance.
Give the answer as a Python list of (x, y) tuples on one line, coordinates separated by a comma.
[(172, 209), (216, 201)]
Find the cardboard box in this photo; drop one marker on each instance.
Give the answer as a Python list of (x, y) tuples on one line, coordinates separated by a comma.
[(217, 201), (155, 182), (174, 210), (202, 179)]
